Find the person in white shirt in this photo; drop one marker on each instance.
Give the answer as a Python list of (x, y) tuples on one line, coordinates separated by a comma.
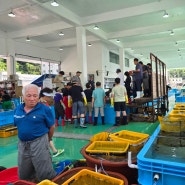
[(120, 75)]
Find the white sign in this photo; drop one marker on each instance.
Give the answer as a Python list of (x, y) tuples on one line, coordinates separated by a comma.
[(47, 83)]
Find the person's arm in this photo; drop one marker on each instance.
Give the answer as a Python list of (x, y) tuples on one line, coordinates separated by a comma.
[(84, 98), (92, 101), (51, 132), (55, 79)]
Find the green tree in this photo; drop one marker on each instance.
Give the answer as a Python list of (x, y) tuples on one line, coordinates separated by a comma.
[(3, 66)]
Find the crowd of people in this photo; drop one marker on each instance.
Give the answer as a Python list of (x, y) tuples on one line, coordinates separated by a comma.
[(36, 122)]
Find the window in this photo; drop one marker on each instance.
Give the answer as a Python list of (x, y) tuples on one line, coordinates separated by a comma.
[(114, 58), (127, 62)]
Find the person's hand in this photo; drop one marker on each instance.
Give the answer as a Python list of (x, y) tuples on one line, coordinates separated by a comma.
[(126, 99), (112, 102), (69, 102), (85, 101)]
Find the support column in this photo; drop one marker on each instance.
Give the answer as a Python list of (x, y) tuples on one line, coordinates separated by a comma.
[(122, 59), (10, 52), (82, 53)]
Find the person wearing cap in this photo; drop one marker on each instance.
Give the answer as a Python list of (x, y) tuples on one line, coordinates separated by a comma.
[(46, 97), (77, 78), (120, 75), (59, 80), (35, 125), (77, 95)]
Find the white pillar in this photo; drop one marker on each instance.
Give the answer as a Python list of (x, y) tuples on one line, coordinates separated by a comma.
[(122, 59), (82, 53), (10, 53)]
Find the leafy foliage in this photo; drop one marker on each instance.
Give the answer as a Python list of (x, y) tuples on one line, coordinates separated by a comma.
[(22, 67)]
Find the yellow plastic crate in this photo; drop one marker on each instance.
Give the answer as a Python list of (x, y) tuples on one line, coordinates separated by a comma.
[(177, 113), (179, 108), (135, 139), (88, 177), (8, 130), (47, 182), (172, 124), (108, 147), (181, 105)]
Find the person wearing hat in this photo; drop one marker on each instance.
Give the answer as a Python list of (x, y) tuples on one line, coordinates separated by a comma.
[(46, 97), (120, 75), (59, 80), (77, 95), (77, 78)]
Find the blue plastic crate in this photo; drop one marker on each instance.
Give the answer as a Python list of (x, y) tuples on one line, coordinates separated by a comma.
[(169, 172), (6, 117), (180, 99)]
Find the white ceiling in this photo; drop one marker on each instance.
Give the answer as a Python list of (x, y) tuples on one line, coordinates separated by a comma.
[(138, 24)]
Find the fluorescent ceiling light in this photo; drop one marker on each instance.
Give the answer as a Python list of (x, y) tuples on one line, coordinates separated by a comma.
[(96, 27), (28, 39), (11, 14), (172, 33), (54, 3), (166, 15), (61, 34)]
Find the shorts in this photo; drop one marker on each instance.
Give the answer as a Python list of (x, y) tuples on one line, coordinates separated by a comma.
[(119, 106), (78, 107)]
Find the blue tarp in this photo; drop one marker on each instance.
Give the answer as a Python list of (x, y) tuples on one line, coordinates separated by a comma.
[(39, 81)]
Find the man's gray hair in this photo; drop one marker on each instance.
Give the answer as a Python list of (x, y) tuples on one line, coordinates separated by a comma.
[(30, 86)]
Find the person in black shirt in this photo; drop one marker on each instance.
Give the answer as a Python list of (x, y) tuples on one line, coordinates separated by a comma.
[(91, 82), (145, 79), (88, 107), (128, 84), (77, 95)]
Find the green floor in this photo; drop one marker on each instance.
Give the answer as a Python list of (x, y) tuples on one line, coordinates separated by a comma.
[(70, 138)]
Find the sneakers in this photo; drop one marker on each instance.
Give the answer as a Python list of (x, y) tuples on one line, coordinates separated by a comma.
[(59, 151), (83, 126)]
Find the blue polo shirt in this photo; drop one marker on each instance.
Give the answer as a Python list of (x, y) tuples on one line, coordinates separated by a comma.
[(33, 124)]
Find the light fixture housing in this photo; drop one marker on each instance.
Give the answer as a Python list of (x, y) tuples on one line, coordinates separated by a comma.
[(166, 15), (96, 27), (11, 14), (89, 44), (172, 33), (61, 34), (117, 40), (28, 39), (60, 48), (54, 3)]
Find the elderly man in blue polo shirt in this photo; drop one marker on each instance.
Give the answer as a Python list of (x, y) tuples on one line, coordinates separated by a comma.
[(35, 124)]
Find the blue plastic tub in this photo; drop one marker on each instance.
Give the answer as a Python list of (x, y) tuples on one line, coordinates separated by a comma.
[(180, 99), (169, 171), (6, 117)]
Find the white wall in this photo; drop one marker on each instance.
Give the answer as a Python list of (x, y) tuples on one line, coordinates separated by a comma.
[(3, 46), (35, 51)]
